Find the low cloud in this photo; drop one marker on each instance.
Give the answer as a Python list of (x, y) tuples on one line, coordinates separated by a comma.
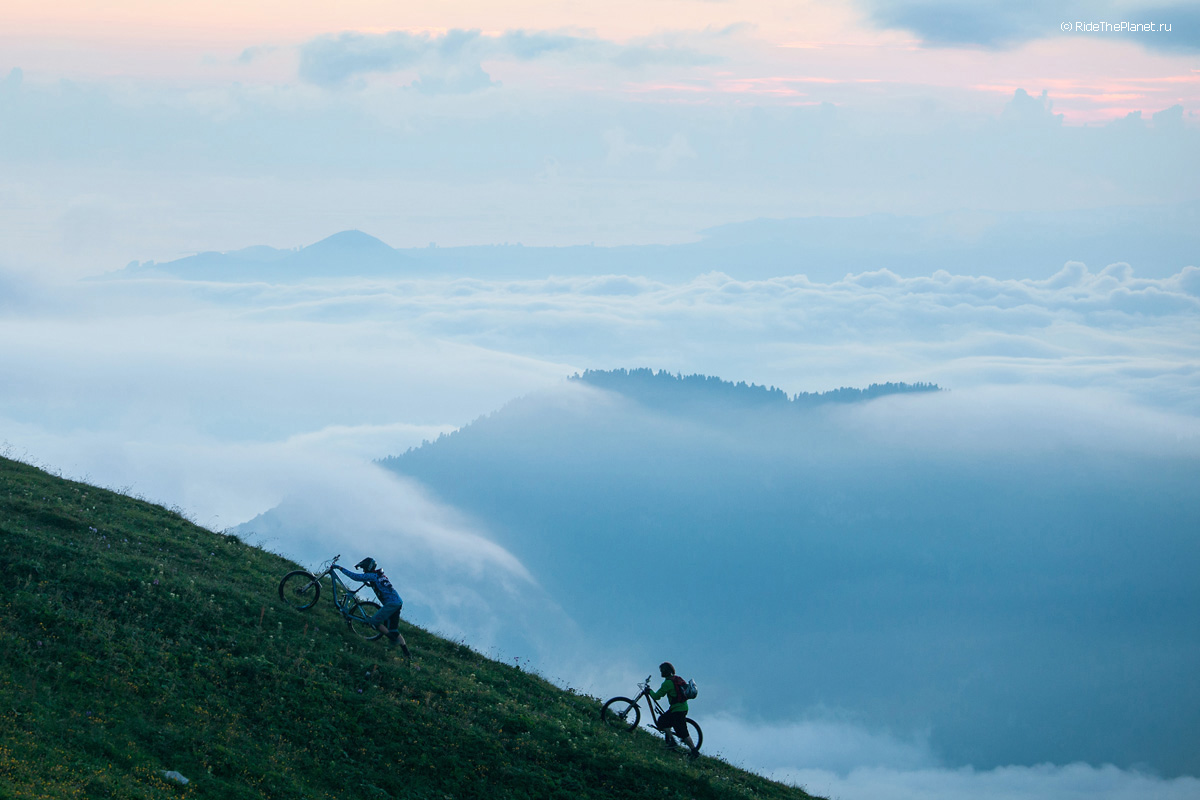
[(454, 578), (217, 481), (828, 745), (842, 759), (1107, 329), (452, 61), (1042, 782), (354, 504), (622, 149), (839, 759)]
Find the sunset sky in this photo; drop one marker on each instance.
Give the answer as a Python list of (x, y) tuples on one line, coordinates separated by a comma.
[(750, 52), (154, 130)]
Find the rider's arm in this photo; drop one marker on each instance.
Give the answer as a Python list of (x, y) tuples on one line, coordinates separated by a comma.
[(353, 575), (667, 684)]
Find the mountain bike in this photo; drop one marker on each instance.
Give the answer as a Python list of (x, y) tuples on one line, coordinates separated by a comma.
[(301, 589), (623, 714)]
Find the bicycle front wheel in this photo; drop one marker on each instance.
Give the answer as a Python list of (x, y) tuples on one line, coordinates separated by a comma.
[(360, 613), (621, 714), (300, 590), (694, 730)]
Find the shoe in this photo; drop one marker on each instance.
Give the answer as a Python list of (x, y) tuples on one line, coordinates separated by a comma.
[(694, 754)]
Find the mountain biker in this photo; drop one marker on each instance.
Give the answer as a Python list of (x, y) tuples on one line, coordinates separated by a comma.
[(387, 619), (675, 717)]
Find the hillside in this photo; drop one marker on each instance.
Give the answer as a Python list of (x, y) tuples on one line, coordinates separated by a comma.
[(132, 641)]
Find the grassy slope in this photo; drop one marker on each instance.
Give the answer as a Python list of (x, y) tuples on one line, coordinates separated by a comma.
[(107, 677)]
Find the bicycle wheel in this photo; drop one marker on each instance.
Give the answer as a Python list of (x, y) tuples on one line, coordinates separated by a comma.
[(360, 612), (694, 730), (621, 714), (300, 590)]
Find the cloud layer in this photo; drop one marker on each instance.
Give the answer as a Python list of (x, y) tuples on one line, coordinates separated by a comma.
[(451, 62), (1105, 328), (846, 760), (114, 372)]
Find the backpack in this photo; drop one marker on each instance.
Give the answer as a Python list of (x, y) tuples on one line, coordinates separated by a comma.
[(684, 690)]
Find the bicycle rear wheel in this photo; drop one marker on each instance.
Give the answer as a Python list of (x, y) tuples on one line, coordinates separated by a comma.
[(300, 590), (360, 613), (621, 714), (694, 730)]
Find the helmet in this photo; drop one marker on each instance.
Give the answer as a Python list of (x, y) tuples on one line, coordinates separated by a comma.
[(367, 565), (666, 668)]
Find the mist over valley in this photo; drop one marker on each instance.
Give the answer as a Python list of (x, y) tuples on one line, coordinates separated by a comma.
[(906, 558)]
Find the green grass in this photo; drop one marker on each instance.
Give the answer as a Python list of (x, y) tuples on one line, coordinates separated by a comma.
[(132, 641)]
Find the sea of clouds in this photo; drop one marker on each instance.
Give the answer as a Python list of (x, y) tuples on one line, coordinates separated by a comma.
[(223, 399)]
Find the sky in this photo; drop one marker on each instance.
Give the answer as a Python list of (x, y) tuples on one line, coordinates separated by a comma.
[(155, 130), (152, 131)]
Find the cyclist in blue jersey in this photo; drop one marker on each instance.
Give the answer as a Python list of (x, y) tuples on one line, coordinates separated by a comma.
[(387, 620)]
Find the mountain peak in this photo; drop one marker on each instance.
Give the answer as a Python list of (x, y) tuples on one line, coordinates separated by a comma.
[(351, 240)]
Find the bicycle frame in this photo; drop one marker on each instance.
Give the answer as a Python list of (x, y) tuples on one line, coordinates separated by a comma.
[(652, 705), (342, 599)]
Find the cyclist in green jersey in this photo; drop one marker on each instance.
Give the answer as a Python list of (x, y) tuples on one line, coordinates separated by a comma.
[(675, 718)]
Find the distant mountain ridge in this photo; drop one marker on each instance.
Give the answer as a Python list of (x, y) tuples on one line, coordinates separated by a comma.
[(674, 394), (1156, 242), (347, 253), (663, 389)]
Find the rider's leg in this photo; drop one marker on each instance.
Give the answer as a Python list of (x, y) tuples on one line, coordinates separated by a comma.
[(395, 636), (686, 735), (679, 724), (385, 619), (665, 723)]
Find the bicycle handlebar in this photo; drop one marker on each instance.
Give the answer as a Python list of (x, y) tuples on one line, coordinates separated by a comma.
[(330, 564)]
